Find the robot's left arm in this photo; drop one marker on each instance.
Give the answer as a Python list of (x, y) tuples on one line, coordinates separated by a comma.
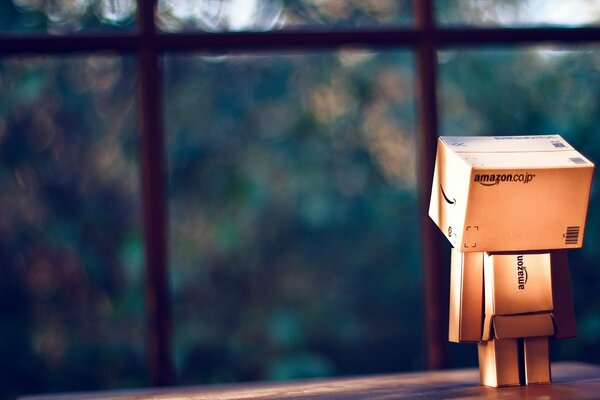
[(563, 312)]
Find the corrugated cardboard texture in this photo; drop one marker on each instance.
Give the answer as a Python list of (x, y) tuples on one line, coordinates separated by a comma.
[(537, 361), (498, 362), (466, 297), (562, 298), (510, 193), (552, 296), (450, 190), (523, 326), (487, 327), (517, 283)]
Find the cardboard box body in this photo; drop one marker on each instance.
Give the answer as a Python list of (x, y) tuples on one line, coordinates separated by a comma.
[(486, 300), (511, 193), (517, 283), (518, 296)]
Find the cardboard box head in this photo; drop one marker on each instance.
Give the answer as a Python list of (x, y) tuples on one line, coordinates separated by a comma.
[(510, 193)]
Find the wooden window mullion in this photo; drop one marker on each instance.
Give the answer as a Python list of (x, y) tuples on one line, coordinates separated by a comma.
[(158, 304), (434, 285)]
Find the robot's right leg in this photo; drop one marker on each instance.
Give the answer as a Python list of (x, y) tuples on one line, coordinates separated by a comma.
[(499, 362)]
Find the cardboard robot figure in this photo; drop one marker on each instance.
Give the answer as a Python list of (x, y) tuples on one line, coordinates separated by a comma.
[(511, 207)]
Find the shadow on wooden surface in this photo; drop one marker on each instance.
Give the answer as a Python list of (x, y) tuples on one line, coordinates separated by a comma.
[(571, 381)]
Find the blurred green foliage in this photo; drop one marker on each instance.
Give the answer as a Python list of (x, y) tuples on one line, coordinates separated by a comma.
[(71, 302), (294, 250), (292, 192)]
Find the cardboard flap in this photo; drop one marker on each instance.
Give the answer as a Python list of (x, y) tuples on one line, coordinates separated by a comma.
[(507, 144), (522, 326)]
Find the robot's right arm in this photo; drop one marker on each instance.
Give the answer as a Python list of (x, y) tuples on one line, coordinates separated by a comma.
[(466, 297)]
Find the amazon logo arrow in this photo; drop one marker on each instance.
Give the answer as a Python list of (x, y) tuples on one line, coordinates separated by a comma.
[(490, 184), (451, 202)]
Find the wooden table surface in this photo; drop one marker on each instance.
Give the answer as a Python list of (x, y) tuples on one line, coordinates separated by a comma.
[(570, 381)]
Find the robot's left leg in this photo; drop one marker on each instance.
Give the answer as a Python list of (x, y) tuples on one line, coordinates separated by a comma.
[(537, 360)]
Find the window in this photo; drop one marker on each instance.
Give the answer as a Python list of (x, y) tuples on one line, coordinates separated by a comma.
[(226, 190), (21, 17), (71, 233), (285, 197), (178, 16)]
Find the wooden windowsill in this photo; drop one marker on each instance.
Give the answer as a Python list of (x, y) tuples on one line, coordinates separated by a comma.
[(570, 381)]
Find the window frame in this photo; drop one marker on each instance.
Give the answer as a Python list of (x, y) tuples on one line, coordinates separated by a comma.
[(424, 38)]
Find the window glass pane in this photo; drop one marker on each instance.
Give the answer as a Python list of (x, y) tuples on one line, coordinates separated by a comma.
[(65, 16), (518, 12), (71, 305), (264, 15), (537, 91), (292, 198)]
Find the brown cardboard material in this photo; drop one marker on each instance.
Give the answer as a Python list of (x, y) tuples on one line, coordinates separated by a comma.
[(517, 295), (523, 326), (537, 361), (497, 193), (563, 312), (466, 297), (507, 315), (498, 362), (517, 283), (487, 328)]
